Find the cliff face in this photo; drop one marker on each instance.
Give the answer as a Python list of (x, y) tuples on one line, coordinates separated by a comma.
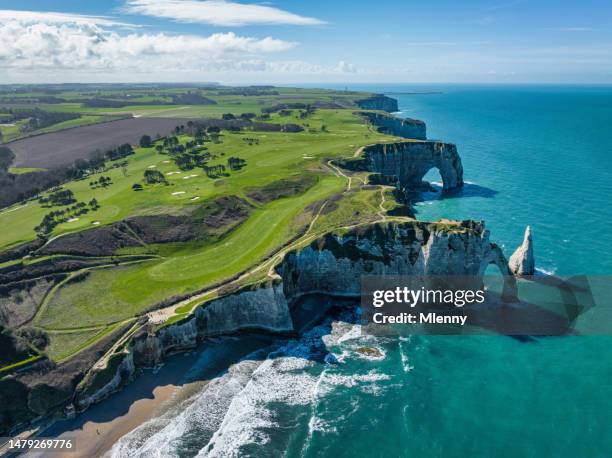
[(378, 102), (410, 162), (258, 309), (331, 265), (334, 264), (400, 127)]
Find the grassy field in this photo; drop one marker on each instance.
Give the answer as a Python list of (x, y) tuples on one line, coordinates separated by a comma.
[(78, 312), (114, 294), (277, 155)]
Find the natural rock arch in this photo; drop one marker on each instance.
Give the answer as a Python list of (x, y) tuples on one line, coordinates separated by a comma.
[(410, 162), (496, 257)]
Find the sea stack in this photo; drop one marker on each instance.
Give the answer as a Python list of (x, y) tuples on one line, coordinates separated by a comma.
[(522, 262)]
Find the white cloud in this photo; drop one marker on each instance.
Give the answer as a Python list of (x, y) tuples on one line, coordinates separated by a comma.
[(89, 46), (345, 67), (217, 12), (31, 17)]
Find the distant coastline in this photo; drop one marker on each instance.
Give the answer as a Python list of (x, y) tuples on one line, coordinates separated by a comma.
[(415, 93)]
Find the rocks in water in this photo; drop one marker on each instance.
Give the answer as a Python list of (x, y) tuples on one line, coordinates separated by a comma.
[(522, 261), (370, 352)]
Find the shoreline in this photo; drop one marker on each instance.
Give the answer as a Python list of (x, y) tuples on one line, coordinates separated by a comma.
[(97, 429)]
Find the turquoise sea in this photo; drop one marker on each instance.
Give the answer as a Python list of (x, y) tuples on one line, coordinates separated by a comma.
[(532, 155)]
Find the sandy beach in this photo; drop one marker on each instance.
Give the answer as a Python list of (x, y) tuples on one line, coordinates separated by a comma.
[(96, 430)]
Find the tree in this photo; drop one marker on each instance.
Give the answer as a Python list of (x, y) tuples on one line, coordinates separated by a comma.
[(93, 203), (145, 141), (137, 187), (154, 176), (6, 158)]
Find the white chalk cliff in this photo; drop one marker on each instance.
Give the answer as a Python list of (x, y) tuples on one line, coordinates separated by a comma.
[(522, 261)]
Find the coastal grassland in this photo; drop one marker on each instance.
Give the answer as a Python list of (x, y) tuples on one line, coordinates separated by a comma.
[(354, 207), (227, 100), (112, 294), (63, 344), (277, 156)]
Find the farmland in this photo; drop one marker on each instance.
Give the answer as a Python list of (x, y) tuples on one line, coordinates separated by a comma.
[(65, 146)]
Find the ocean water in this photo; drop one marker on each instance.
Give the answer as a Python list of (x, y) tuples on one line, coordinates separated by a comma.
[(533, 155)]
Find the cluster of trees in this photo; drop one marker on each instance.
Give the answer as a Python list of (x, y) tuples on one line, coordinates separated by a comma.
[(102, 181), (119, 152), (145, 141), (36, 118), (243, 116), (248, 91), (287, 106), (97, 161), (235, 163), (154, 177), (307, 112), (189, 155), (190, 161), (214, 171), (52, 219), (57, 198), (251, 141), (13, 350), (6, 158), (192, 98)]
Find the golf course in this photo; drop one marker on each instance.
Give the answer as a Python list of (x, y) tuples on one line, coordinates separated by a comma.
[(181, 215)]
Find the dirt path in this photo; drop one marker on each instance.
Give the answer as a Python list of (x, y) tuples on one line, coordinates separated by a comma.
[(383, 212), (161, 315), (339, 173)]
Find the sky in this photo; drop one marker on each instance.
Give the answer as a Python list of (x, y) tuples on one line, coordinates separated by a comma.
[(306, 41)]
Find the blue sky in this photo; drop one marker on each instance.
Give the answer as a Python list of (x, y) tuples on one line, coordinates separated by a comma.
[(388, 41)]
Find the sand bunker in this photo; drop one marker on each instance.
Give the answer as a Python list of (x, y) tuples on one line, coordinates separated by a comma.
[(178, 193)]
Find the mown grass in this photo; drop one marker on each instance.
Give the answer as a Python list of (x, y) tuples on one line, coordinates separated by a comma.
[(114, 294), (277, 156), (20, 170)]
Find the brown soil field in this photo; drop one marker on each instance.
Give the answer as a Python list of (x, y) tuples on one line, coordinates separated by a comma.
[(62, 148)]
